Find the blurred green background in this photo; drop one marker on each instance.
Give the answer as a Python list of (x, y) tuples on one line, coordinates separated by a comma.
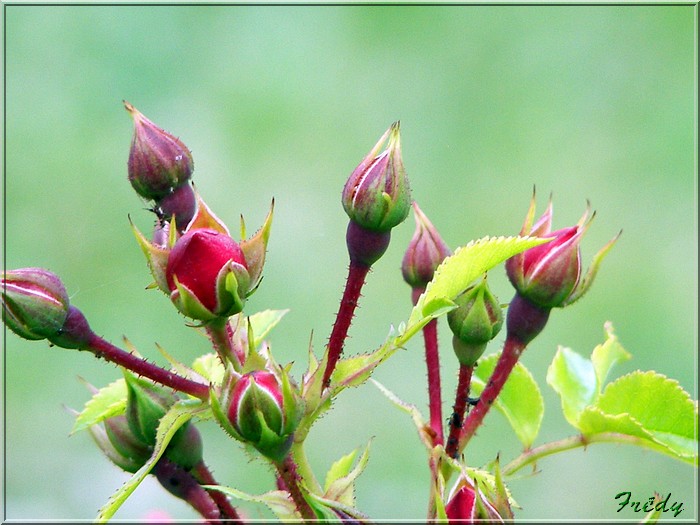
[(591, 102)]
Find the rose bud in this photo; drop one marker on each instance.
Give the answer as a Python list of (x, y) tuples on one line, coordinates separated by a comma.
[(207, 275), (469, 505), (377, 196), (34, 302), (477, 320), (548, 275), (180, 203), (262, 413), (158, 161), (425, 252)]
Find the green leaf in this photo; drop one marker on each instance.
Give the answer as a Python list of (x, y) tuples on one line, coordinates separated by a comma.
[(340, 480), (209, 366), (605, 356), (277, 501), (648, 405), (574, 378), (179, 414), (263, 323), (458, 271), (105, 403), (520, 401)]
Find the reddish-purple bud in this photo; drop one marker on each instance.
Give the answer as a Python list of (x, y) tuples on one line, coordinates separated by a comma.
[(549, 275), (377, 195), (180, 203), (158, 161), (468, 504), (425, 252), (207, 275), (34, 302)]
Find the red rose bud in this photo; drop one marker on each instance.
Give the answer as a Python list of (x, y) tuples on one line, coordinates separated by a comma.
[(207, 275), (158, 161), (377, 195), (477, 320), (259, 412), (34, 302), (548, 275), (180, 203), (469, 505), (425, 252)]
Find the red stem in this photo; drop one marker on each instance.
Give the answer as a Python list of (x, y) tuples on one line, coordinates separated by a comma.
[(512, 349), (353, 285), (287, 470), (202, 474), (104, 349), (460, 406)]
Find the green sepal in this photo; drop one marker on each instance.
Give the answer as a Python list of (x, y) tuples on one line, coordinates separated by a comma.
[(156, 257), (255, 248), (231, 288), (188, 303), (126, 463), (146, 404)]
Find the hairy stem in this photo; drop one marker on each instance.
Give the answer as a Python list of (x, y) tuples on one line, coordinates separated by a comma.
[(104, 349), (204, 476), (357, 273), (183, 485), (512, 349), (221, 336), (287, 472), (531, 456), (460, 406)]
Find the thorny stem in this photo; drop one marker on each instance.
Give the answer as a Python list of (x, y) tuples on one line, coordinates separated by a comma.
[(221, 336), (287, 472), (182, 484), (357, 272), (461, 398), (104, 349), (202, 474), (432, 363), (512, 349)]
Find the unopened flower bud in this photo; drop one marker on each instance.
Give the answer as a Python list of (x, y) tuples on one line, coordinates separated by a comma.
[(34, 302), (132, 453), (377, 196), (258, 411), (477, 320), (425, 252), (180, 203), (158, 161), (549, 275), (207, 275), (469, 504), (75, 332)]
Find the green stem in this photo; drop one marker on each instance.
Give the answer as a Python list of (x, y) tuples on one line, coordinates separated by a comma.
[(304, 468), (221, 337), (534, 454)]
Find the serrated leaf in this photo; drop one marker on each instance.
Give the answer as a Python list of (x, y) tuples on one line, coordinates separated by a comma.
[(107, 402), (520, 401), (340, 468), (607, 355), (647, 405), (458, 271), (179, 414), (341, 487), (263, 322), (574, 378), (277, 501), (209, 366), (353, 371)]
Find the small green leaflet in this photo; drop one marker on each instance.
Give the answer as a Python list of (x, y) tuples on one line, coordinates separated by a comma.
[(340, 480), (179, 414), (520, 401), (461, 269), (263, 322), (647, 406), (277, 501), (106, 402)]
